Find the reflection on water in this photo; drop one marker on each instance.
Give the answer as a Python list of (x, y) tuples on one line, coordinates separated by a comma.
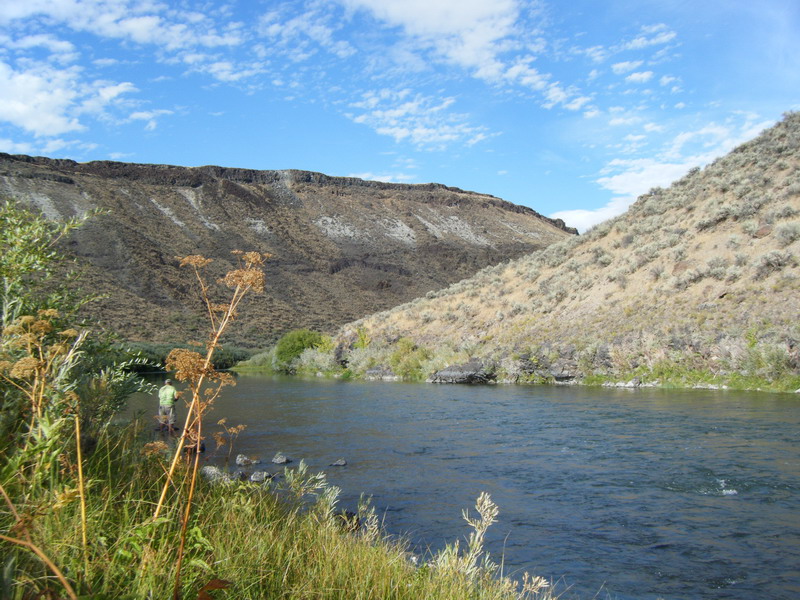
[(616, 493)]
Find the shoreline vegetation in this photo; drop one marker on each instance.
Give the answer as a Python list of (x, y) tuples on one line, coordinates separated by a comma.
[(763, 368), (97, 511)]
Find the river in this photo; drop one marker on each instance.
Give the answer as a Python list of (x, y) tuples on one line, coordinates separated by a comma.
[(612, 493)]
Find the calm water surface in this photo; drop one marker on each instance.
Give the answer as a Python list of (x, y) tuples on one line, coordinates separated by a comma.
[(611, 493)]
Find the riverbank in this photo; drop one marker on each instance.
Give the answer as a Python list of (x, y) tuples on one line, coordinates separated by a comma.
[(516, 371), (283, 540)]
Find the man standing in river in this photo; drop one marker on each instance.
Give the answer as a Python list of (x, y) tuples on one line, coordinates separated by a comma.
[(166, 406)]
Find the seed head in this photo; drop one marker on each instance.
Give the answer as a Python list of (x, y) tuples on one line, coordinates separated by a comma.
[(25, 368), (194, 260)]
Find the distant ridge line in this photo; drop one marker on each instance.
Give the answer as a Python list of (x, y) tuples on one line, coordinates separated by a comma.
[(160, 174)]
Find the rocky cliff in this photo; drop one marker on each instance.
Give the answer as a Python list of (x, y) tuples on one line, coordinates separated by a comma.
[(343, 247)]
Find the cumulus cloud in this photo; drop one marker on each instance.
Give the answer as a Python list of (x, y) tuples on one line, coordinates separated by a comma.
[(469, 33), (40, 100)]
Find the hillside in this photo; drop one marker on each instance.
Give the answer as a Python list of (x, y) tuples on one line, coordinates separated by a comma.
[(343, 247), (698, 282)]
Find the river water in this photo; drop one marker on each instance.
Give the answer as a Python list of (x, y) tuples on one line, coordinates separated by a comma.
[(611, 493)]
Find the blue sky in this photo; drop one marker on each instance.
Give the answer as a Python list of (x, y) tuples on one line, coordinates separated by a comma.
[(570, 107)]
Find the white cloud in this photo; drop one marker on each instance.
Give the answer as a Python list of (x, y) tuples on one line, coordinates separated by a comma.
[(141, 22), (640, 77), (151, 116), (459, 18), (64, 50), (523, 74), (469, 33), (296, 33), (12, 147), (386, 178), (45, 100), (627, 179), (104, 94), (629, 120), (40, 100), (597, 54), (652, 35), (475, 35), (626, 67), (584, 219), (421, 120), (577, 103)]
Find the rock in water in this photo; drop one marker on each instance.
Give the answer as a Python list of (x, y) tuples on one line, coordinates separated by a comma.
[(244, 461), (280, 459), (260, 477), (339, 463)]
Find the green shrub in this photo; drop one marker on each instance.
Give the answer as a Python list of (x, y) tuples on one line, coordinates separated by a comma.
[(407, 358), (292, 345)]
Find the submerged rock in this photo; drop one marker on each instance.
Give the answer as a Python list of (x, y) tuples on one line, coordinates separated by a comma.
[(339, 463)]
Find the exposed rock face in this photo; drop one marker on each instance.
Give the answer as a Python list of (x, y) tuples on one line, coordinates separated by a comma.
[(343, 247), (474, 371)]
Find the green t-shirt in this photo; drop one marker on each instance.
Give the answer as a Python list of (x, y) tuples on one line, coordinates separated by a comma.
[(166, 395)]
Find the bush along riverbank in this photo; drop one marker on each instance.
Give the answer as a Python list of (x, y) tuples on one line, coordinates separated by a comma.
[(740, 364), (97, 511)]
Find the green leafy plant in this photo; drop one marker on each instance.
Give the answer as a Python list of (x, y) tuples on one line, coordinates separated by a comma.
[(292, 345)]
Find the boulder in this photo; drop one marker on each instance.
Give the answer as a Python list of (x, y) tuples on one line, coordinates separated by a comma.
[(472, 372), (260, 477), (214, 474), (339, 463), (281, 459), (564, 369), (244, 461)]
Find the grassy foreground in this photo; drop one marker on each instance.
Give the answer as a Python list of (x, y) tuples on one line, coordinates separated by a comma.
[(285, 540), (90, 510)]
